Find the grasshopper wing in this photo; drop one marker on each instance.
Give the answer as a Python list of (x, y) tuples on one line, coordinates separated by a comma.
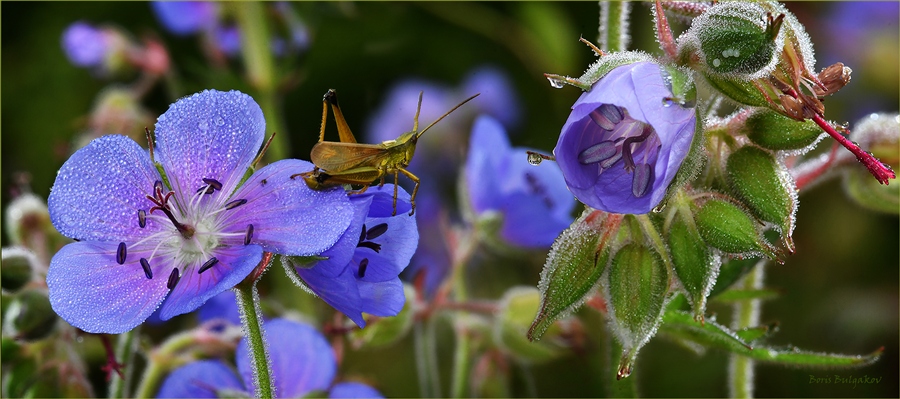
[(337, 157)]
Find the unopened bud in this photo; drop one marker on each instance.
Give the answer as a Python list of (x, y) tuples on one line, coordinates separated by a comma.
[(29, 316), (736, 38), (517, 309), (764, 185), (16, 268), (880, 133), (773, 131), (727, 227)]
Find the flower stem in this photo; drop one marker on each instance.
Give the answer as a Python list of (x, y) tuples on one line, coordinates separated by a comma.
[(881, 171), (258, 60), (426, 359), (614, 25), (461, 358), (161, 360), (746, 314), (247, 298), (125, 346)]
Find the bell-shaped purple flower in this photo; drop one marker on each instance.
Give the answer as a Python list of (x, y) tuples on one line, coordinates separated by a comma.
[(186, 17), (625, 140), (362, 269), (533, 201), (85, 45), (188, 235), (302, 362)]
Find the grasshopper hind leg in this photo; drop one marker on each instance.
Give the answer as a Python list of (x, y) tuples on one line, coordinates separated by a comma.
[(412, 198)]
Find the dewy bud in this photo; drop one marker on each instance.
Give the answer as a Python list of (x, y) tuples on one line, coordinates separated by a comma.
[(695, 265), (727, 227), (26, 216), (880, 133), (16, 268), (773, 131), (638, 283), (734, 38), (29, 316), (765, 187), (517, 306)]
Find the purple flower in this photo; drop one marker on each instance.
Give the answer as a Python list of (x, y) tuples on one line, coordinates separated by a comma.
[(625, 140), (186, 17), (534, 201), (228, 40), (85, 45), (222, 306), (362, 269), (184, 237), (301, 359)]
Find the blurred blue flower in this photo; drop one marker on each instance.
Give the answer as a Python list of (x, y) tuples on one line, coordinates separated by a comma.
[(362, 269), (533, 201), (85, 45), (228, 40), (223, 306), (623, 142), (184, 237), (183, 18), (301, 359), (432, 257)]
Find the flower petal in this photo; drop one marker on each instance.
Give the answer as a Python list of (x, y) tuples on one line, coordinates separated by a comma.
[(91, 291), (383, 201), (199, 379), (351, 390), (385, 298), (194, 289), (398, 244), (222, 306), (301, 358), (341, 292), (185, 17), (342, 252), (211, 134), (288, 217), (99, 190), (485, 164), (527, 222)]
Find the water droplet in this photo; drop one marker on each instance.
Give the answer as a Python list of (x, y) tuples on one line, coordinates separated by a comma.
[(667, 102), (556, 83), (534, 158), (659, 208), (716, 62), (203, 125), (220, 121)]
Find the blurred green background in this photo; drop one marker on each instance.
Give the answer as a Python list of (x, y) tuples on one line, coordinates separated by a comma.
[(840, 290)]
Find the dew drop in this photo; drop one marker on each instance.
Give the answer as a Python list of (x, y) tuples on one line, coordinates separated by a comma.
[(220, 121), (716, 62), (534, 158), (556, 83), (203, 126)]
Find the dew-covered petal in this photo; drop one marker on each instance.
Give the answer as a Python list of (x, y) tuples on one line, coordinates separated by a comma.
[(398, 244), (200, 379), (288, 217), (99, 190), (485, 164), (528, 222), (211, 134), (301, 358), (222, 306), (341, 292), (383, 201), (350, 390), (91, 291), (340, 254), (194, 289), (384, 298)]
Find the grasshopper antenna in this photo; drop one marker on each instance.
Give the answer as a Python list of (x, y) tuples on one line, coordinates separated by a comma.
[(263, 152), (442, 116)]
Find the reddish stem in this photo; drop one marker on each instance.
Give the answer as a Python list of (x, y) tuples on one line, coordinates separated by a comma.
[(880, 170), (803, 180), (664, 32), (111, 363)]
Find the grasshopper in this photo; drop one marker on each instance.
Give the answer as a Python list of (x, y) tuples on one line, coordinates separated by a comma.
[(349, 162)]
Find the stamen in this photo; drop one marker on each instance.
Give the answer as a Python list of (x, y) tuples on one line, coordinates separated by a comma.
[(643, 175), (363, 265), (142, 218), (213, 183), (121, 252), (362, 234), (249, 235), (612, 112), (173, 279), (601, 120), (612, 160), (538, 189), (146, 266), (371, 245), (158, 187), (235, 204), (626, 146), (206, 266), (376, 231), (598, 152)]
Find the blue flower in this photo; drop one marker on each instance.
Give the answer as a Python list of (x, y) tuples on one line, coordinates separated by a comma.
[(85, 45), (183, 238), (301, 359), (362, 269), (186, 17), (534, 201), (625, 140)]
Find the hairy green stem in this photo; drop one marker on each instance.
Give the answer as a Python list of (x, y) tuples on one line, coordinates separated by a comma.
[(259, 62), (462, 356), (746, 314), (125, 347), (161, 360), (613, 31), (251, 321), (426, 358)]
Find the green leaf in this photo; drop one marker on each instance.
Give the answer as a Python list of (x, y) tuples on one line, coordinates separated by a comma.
[(730, 272), (751, 334), (573, 268)]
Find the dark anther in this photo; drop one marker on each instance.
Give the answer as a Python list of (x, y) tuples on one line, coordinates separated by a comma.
[(142, 218), (371, 245), (263, 182), (206, 190), (146, 266), (213, 183), (363, 265), (120, 253), (235, 204), (376, 231), (539, 190), (206, 266), (362, 234), (249, 235), (173, 279), (158, 187)]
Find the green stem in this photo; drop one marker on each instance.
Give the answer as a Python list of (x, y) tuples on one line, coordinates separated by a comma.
[(655, 239), (161, 360), (258, 60), (426, 359), (247, 298), (125, 346), (613, 32), (462, 358), (746, 314)]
